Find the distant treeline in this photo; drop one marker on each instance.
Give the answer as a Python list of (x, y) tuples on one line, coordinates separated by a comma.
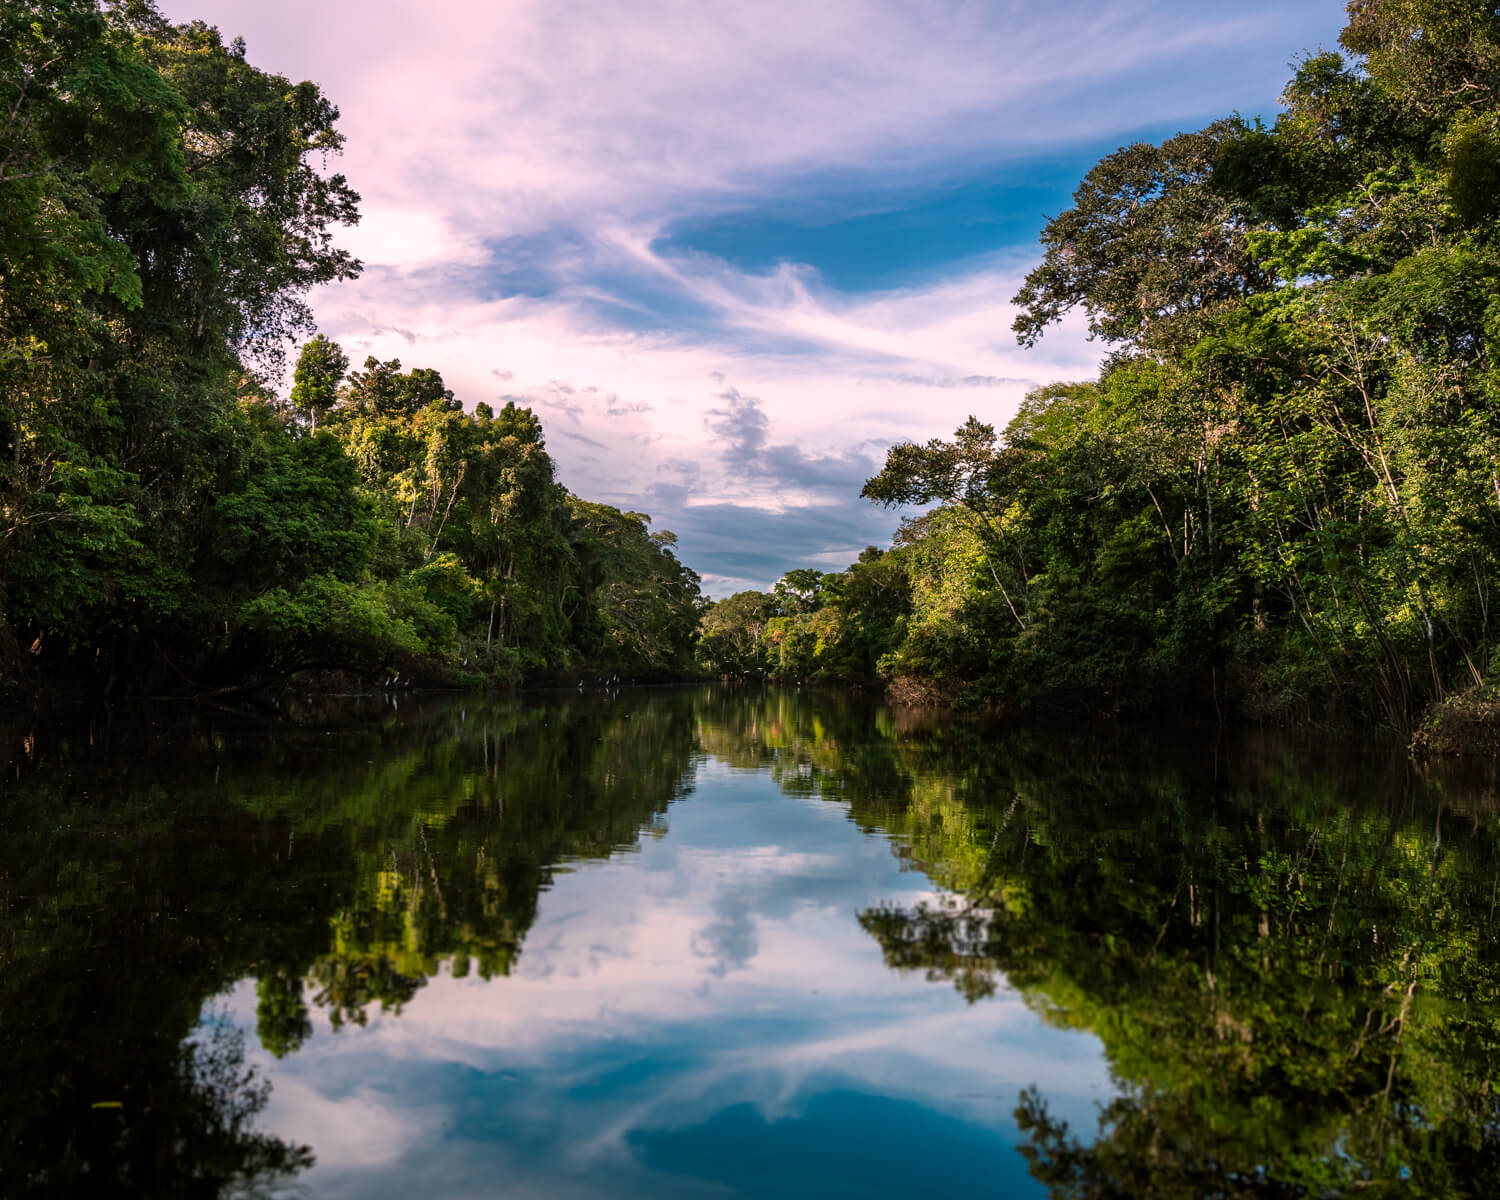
[(1283, 489), (167, 522)]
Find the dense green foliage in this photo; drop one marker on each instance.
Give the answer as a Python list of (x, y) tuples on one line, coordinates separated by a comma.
[(1285, 482), (828, 626), (165, 521)]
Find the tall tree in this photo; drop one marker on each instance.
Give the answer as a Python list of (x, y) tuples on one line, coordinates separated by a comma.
[(321, 365)]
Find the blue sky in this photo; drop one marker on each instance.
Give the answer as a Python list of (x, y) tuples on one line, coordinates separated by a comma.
[(732, 251)]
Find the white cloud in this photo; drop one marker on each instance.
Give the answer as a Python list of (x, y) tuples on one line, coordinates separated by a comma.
[(518, 162), (410, 237), (524, 113), (838, 379), (364, 1129), (843, 371)]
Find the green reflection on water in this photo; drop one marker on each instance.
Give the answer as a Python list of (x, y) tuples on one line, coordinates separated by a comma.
[(1291, 960), (1289, 956), (146, 867)]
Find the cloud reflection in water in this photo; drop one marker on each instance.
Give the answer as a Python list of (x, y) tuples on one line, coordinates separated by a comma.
[(702, 1013)]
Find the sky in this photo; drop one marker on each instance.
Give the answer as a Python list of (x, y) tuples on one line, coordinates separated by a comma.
[(730, 252)]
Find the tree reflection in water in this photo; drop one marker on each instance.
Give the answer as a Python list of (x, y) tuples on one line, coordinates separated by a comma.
[(187, 1130), (1290, 958), (1292, 965), (340, 857)]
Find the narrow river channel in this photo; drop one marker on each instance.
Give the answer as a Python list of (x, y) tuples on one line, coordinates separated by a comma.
[(737, 942)]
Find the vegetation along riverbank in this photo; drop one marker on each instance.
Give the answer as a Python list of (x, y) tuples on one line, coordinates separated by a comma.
[(1281, 495), (1279, 499), (169, 522)]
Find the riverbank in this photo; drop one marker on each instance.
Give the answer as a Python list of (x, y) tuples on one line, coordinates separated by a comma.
[(28, 691), (1462, 724), (1465, 724)]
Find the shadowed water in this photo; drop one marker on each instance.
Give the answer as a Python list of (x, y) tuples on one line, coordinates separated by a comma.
[(737, 943)]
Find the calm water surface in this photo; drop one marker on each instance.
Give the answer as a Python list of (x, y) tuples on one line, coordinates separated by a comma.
[(736, 943)]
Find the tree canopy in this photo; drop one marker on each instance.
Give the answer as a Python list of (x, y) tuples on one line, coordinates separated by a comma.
[(1280, 493), (167, 519)]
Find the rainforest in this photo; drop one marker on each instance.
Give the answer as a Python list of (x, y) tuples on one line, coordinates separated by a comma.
[(381, 815), (1281, 494), (1279, 498), (171, 522)]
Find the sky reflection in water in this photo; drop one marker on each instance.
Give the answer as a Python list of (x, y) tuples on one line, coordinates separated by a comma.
[(731, 942), (698, 1013)]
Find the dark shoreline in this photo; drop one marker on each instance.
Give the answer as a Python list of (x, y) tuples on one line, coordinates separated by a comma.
[(1464, 725)]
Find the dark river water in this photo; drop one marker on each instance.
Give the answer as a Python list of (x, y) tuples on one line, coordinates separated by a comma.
[(711, 943)]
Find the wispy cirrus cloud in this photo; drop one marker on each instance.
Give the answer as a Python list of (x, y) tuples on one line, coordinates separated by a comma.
[(629, 210)]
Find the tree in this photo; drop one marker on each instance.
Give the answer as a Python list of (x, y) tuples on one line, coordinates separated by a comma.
[(1148, 249), (799, 591), (729, 636), (315, 383), (161, 225), (969, 474), (645, 604), (1285, 474), (1438, 57)]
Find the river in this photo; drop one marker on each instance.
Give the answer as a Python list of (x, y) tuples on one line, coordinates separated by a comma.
[(737, 942)]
